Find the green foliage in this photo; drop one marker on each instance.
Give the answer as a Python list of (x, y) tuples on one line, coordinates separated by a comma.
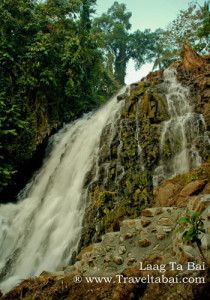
[(191, 26), (164, 46), (56, 63), (119, 44), (159, 53), (51, 71), (12, 131), (113, 27), (193, 227), (205, 29)]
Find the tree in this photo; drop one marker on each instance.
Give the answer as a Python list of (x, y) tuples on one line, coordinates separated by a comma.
[(204, 30), (114, 28), (157, 52), (119, 44), (51, 71), (189, 27), (86, 10)]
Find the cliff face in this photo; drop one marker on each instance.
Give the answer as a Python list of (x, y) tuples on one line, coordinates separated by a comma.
[(134, 156), (132, 209), (120, 183)]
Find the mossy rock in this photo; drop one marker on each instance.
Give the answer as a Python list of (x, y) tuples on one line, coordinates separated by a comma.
[(124, 189), (154, 107), (162, 108)]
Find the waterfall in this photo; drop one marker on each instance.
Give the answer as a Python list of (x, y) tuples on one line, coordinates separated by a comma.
[(179, 133), (42, 230)]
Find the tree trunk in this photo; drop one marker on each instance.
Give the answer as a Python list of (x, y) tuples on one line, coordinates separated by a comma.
[(120, 67)]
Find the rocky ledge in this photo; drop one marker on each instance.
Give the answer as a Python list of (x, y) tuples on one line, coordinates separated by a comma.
[(154, 232), (148, 247)]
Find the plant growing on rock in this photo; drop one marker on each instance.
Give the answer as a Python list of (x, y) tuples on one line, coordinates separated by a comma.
[(194, 226)]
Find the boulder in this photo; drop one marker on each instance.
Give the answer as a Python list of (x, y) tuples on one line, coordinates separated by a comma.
[(192, 188), (206, 189), (121, 97), (164, 192)]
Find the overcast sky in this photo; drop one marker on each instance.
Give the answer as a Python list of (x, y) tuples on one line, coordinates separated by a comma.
[(151, 14)]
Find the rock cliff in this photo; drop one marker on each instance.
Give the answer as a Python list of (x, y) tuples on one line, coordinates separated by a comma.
[(134, 156), (134, 205)]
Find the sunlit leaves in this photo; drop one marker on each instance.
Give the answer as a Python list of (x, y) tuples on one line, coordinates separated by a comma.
[(193, 227)]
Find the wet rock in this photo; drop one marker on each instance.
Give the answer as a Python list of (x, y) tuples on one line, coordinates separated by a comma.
[(82, 262), (181, 201), (121, 97), (108, 249), (132, 140), (156, 247), (46, 274), (195, 202), (134, 87)]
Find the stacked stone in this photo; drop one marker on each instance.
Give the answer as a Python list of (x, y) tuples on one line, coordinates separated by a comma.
[(155, 232), (137, 238)]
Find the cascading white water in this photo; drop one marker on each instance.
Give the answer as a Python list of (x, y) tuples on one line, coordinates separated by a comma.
[(42, 230), (177, 146)]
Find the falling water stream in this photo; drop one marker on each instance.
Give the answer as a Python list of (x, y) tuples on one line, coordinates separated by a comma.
[(179, 133), (43, 229)]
